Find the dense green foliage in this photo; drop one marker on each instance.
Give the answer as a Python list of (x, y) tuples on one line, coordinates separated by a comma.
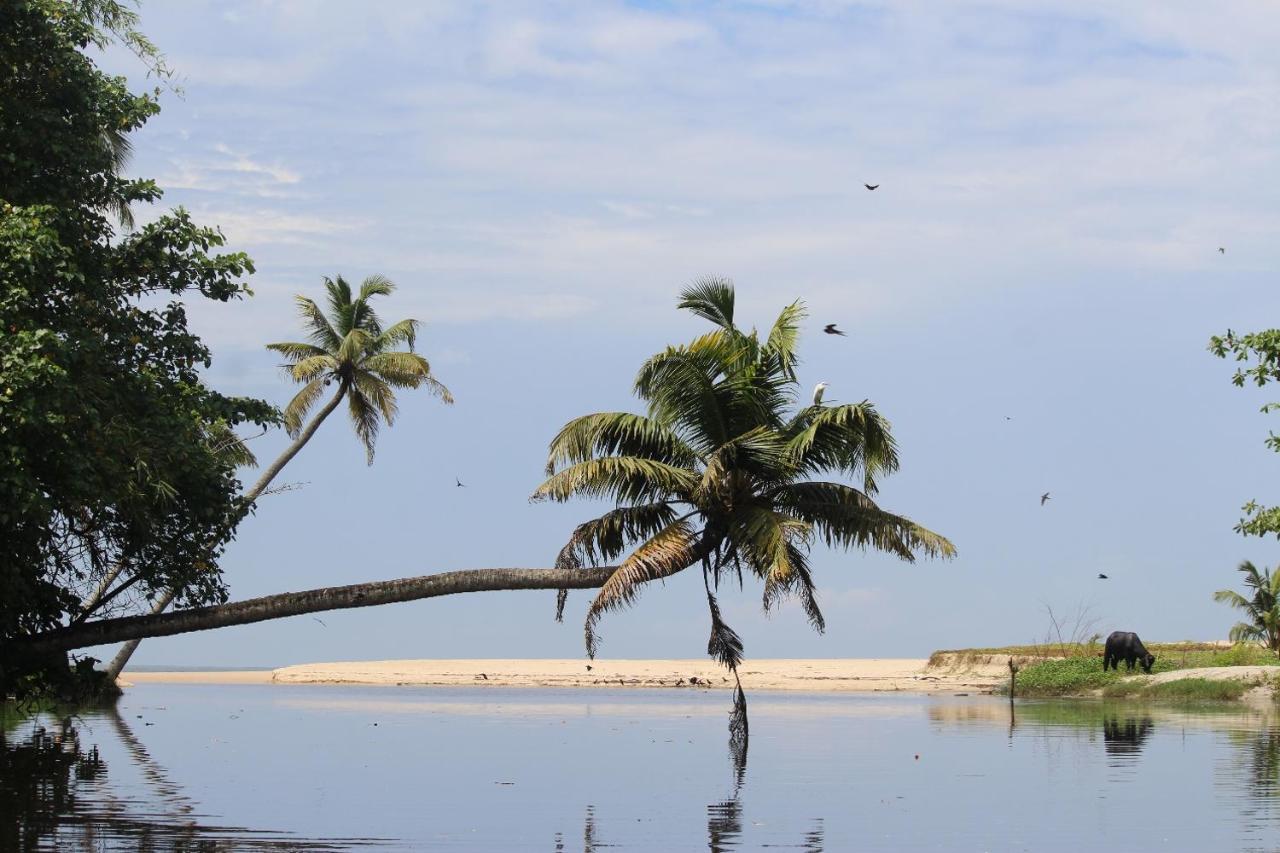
[(110, 464), (1259, 354), (1262, 607)]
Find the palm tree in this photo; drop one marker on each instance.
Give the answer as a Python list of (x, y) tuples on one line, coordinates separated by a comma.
[(718, 473), (1263, 607), (351, 347)]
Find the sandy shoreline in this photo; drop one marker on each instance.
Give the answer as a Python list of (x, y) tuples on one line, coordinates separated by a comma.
[(827, 676)]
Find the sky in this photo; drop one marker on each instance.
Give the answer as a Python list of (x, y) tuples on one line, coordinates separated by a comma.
[(1028, 295)]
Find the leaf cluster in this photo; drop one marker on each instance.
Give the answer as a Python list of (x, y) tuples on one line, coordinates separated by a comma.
[(1257, 356)]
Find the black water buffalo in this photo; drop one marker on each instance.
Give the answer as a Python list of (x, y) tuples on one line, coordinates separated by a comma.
[(1125, 645)]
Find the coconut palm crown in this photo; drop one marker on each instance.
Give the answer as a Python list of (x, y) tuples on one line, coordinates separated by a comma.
[(723, 472), (1262, 607), (350, 346)]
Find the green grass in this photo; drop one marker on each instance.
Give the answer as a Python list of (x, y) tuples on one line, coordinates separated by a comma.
[(1186, 689), (1082, 674)]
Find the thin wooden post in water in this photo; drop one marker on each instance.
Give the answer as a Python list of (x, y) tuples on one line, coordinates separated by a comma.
[(1013, 677)]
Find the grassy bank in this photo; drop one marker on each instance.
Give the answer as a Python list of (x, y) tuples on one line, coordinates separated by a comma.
[(1076, 670)]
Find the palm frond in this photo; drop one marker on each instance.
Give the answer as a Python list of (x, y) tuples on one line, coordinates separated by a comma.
[(622, 478), (296, 412), (609, 536), (401, 369), (354, 346), (681, 392), (364, 418), (404, 331), (339, 293), (845, 517), (296, 352), (620, 433), (322, 333), (852, 438), (376, 285), (377, 393), (710, 298), (672, 550), (313, 367), (784, 336), (725, 646)]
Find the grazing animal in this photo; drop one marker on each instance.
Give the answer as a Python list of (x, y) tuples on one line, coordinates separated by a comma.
[(818, 391), (1126, 645), (1044, 498), (831, 329), (871, 186)]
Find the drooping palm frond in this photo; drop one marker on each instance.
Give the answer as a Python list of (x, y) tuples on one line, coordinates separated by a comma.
[(784, 337), (852, 439), (609, 536), (295, 414), (671, 550)]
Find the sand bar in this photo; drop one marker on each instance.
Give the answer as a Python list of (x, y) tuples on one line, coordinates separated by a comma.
[(815, 675)]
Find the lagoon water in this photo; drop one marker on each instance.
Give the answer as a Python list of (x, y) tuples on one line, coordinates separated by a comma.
[(196, 767)]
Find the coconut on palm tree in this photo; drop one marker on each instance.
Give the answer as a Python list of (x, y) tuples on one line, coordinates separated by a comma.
[(725, 472), (1262, 607)]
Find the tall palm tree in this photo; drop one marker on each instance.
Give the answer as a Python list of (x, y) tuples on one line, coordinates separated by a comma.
[(718, 473), (350, 346), (1262, 608)]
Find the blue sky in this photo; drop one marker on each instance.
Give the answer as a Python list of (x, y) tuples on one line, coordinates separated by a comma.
[(542, 179)]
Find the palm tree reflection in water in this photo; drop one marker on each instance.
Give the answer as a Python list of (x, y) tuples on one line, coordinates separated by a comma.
[(55, 794)]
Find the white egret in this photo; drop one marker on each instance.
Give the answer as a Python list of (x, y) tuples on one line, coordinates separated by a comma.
[(818, 391)]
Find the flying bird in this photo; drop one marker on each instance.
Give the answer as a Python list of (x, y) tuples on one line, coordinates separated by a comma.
[(1044, 498), (831, 329), (818, 391), (1101, 576), (318, 619), (872, 186), (461, 485), (1221, 250)]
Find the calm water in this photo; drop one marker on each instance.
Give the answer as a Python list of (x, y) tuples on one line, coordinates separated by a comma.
[(256, 768)]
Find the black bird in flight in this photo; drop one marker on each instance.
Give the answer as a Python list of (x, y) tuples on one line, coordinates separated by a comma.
[(1222, 250), (1101, 576), (831, 329), (872, 186), (318, 619), (1044, 498), (461, 485)]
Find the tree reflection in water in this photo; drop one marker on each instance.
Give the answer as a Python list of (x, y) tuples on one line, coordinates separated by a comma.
[(56, 795)]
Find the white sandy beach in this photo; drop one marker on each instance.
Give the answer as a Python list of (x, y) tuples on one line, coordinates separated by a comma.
[(835, 675)]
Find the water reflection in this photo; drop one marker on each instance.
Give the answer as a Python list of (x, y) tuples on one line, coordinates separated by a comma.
[(56, 795), (1124, 735)]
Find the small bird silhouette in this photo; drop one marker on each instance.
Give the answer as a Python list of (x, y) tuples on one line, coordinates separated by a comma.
[(461, 485), (818, 391), (1044, 498), (872, 186), (1221, 250), (1101, 576), (318, 619), (1007, 418), (831, 329)]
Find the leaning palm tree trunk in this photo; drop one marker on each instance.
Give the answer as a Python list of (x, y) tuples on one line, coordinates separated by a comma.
[(122, 657), (104, 631)]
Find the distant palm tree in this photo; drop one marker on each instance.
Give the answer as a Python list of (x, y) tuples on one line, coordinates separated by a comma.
[(349, 347), (717, 473), (1263, 607)]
